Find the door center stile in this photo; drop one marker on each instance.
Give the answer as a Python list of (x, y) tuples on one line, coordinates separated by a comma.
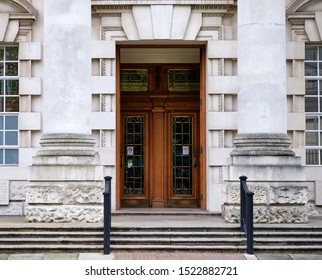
[(158, 179)]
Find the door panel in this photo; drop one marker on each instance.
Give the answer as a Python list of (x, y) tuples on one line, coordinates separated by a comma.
[(184, 167), (182, 155), (133, 165)]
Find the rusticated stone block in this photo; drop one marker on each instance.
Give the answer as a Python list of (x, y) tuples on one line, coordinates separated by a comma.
[(84, 194), (68, 193), (313, 210), (269, 214), (233, 194), (18, 190), (64, 214), (288, 195), (45, 194), (14, 209)]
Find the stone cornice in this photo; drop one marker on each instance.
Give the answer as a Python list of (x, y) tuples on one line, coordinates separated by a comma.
[(301, 15), (23, 16), (108, 6)]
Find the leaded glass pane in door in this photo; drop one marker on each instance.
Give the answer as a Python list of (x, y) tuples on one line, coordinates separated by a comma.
[(133, 135), (182, 155)]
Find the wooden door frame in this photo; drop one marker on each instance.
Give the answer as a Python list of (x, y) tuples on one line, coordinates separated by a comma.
[(203, 166)]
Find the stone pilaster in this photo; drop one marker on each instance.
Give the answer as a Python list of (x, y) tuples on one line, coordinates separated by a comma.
[(263, 151), (66, 179)]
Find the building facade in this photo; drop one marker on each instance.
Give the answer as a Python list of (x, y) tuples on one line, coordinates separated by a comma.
[(173, 99)]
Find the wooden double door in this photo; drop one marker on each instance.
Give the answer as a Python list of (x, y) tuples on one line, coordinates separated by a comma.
[(160, 149)]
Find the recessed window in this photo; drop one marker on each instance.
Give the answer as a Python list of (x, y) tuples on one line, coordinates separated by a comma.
[(313, 104), (183, 80), (9, 105), (134, 80)]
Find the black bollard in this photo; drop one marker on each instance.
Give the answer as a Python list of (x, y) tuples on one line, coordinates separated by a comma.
[(107, 215)]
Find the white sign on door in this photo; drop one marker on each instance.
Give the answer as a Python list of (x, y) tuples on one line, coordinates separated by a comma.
[(185, 150), (130, 150)]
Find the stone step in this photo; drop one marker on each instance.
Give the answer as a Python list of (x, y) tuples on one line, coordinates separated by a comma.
[(153, 240), (52, 240), (163, 212), (221, 237), (48, 247), (295, 248), (134, 233), (239, 248), (43, 234), (96, 248), (179, 247), (99, 227), (288, 240)]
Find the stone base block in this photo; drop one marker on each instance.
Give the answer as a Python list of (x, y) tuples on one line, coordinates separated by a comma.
[(314, 210), (267, 193), (14, 209), (65, 181), (269, 214), (276, 178), (64, 214), (69, 193)]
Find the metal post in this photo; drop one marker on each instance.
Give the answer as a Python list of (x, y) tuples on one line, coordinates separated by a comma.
[(250, 223), (107, 215), (242, 203)]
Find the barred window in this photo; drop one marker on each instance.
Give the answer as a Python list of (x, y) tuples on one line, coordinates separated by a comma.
[(313, 104), (9, 104)]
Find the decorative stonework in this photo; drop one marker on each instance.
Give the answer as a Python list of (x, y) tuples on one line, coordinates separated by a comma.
[(14, 209), (99, 8), (139, 23), (18, 190), (103, 103), (267, 194), (288, 195), (107, 67), (113, 33), (306, 25), (65, 214), (269, 214), (280, 191), (221, 67), (221, 139), (107, 139), (213, 28), (220, 103), (16, 25), (228, 7)]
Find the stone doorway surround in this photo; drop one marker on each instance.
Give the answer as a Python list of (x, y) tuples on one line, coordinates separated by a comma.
[(194, 23)]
